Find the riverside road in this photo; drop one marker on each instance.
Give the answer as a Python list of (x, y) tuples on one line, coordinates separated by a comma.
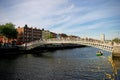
[(65, 64)]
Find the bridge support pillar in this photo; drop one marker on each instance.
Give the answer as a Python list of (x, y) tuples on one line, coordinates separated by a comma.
[(116, 51)]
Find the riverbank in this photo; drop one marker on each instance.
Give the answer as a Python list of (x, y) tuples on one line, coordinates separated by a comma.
[(116, 51), (42, 48), (57, 46), (8, 50)]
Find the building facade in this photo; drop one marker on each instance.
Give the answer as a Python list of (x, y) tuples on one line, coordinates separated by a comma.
[(27, 34), (45, 34), (3, 39), (53, 35), (103, 37)]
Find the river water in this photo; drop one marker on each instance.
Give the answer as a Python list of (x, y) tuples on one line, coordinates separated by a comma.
[(66, 64)]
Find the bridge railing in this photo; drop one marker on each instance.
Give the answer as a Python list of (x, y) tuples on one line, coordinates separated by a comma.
[(65, 40), (98, 44)]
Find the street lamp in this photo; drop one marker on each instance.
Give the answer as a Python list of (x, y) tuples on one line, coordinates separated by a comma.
[(25, 36)]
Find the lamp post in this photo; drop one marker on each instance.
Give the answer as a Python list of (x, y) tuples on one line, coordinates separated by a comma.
[(25, 36)]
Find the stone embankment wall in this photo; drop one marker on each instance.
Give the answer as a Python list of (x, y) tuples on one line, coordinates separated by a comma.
[(57, 46), (116, 51)]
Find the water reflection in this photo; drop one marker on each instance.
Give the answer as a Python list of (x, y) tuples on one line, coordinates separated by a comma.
[(68, 64)]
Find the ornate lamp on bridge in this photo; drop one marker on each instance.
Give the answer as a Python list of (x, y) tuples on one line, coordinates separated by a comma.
[(25, 36)]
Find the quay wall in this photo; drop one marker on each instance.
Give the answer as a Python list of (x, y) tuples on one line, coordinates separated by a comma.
[(57, 46), (40, 48), (116, 51)]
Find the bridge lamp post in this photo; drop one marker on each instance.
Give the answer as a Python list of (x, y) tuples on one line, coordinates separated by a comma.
[(25, 35)]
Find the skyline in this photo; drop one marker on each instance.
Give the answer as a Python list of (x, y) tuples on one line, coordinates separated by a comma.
[(73, 17)]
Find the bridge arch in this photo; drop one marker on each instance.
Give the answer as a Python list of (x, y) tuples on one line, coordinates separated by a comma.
[(103, 46)]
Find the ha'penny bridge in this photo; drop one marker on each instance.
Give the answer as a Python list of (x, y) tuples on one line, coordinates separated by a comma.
[(114, 49)]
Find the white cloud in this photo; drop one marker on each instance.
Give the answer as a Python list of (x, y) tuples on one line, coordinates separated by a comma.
[(91, 15), (59, 15), (31, 10)]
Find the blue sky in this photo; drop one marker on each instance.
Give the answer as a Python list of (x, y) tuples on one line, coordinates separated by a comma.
[(84, 18)]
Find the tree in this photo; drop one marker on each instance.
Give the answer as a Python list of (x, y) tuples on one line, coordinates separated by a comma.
[(8, 30), (117, 40)]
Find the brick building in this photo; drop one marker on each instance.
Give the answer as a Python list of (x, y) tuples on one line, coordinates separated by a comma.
[(26, 34)]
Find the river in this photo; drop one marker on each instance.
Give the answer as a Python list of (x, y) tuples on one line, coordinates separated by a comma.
[(65, 64)]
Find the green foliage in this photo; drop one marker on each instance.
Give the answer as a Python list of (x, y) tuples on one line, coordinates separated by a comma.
[(117, 40), (8, 30), (51, 36)]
